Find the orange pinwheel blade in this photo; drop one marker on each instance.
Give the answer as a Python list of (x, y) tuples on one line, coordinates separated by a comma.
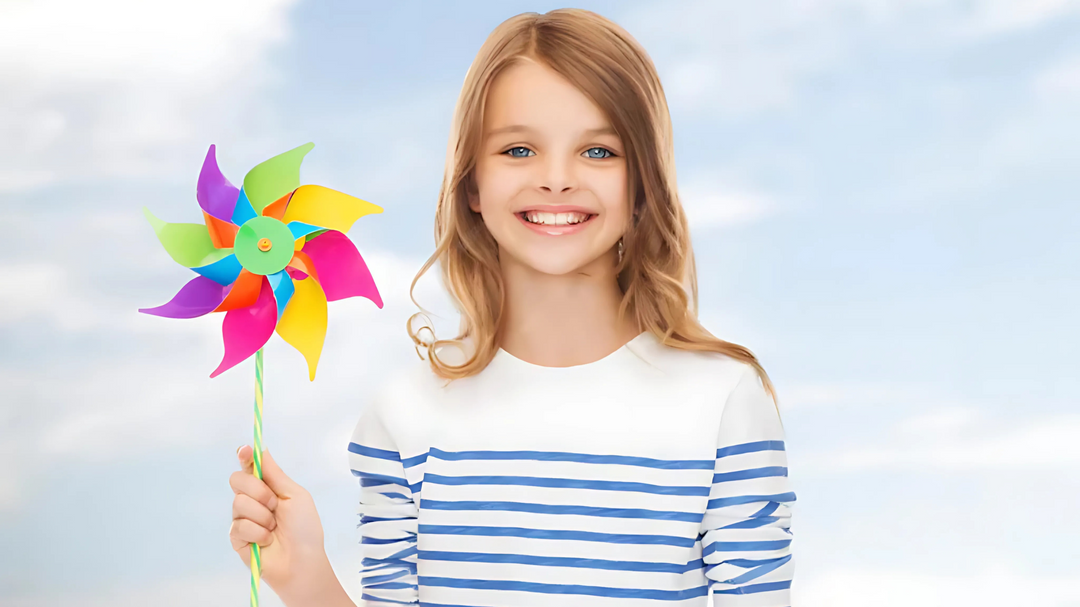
[(302, 262), (222, 233), (276, 209), (244, 292)]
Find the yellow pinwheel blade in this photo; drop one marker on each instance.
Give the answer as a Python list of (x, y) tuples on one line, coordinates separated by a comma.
[(326, 208), (303, 324)]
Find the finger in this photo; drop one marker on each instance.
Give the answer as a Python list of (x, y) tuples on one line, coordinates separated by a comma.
[(278, 481), (239, 546), (242, 482), (244, 455), (245, 506), (249, 532)]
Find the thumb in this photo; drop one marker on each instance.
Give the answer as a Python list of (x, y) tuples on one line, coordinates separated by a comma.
[(275, 478)]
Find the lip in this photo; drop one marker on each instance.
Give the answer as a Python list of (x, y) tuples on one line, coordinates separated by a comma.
[(556, 230), (558, 208)]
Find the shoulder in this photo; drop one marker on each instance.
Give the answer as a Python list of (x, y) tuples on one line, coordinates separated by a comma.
[(720, 372)]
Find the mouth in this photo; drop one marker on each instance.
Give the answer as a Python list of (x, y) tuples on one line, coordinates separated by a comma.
[(555, 224)]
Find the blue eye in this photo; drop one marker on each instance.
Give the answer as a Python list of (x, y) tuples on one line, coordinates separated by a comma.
[(607, 153), (512, 151)]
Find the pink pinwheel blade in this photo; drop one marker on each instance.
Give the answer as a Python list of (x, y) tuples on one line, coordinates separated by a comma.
[(245, 330), (342, 272), (215, 194), (199, 296)]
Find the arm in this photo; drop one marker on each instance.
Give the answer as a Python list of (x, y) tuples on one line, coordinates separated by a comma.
[(387, 516), (746, 541)]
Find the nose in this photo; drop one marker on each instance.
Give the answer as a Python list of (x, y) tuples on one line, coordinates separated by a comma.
[(557, 174)]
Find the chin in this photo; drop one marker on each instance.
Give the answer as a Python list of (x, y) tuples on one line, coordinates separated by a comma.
[(556, 265)]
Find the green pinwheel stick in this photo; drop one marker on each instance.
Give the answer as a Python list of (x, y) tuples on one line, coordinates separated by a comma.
[(270, 255)]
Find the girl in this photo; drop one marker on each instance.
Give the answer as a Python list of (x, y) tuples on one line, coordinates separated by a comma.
[(584, 441)]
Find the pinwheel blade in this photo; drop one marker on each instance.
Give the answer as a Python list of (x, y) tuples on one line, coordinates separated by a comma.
[(302, 263), (272, 179), (243, 292), (303, 325), (245, 330), (216, 195), (223, 271), (319, 206), (300, 229), (189, 244), (198, 297), (282, 284), (222, 233), (276, 209), (342, 271), (243, 211)]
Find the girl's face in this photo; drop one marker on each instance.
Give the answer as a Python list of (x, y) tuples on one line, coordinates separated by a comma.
[(551, 173)]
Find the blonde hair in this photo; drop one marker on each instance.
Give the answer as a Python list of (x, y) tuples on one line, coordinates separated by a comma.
[(657, 268)]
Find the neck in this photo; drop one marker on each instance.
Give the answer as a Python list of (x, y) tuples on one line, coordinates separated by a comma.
[(563, 320)]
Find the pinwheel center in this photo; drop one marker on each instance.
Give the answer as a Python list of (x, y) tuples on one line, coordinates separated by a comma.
[(263, 245)]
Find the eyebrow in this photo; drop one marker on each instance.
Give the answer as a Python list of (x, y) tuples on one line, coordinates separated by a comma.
[(521, 128)]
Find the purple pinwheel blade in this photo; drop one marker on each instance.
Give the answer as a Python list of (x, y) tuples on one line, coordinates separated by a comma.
[(198, 297)]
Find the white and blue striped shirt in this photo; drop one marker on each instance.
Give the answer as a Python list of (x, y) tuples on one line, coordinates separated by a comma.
[(651, 476)]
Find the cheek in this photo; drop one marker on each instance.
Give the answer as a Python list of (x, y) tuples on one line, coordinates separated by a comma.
[(497, 185)]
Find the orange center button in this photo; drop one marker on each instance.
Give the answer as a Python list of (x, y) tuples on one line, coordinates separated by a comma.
[(264, 244)]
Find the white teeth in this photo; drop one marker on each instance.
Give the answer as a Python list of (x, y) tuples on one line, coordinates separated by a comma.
[(551, 219)]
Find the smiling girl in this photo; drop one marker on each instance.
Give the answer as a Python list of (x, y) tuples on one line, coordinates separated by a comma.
[(584, 440)]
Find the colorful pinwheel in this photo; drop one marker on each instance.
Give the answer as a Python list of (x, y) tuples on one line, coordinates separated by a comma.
[(270, 255)]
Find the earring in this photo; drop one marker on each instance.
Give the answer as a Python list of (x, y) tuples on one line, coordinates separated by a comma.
[(620, 249)]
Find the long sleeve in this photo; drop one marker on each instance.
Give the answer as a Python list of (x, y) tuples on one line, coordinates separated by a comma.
[(388, 516), (746, 537)]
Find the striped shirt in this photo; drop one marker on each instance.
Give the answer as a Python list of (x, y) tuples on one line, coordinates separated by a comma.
[(651, 476)]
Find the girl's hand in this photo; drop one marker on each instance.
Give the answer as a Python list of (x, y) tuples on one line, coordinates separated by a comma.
[(278, 515)]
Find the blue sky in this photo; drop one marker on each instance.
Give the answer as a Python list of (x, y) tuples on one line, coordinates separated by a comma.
[(883, 205)]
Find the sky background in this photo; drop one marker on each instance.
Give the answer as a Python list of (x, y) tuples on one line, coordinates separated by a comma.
[(883, 197)]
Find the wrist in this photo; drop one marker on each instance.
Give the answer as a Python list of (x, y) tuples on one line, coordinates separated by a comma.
[(315, 585)]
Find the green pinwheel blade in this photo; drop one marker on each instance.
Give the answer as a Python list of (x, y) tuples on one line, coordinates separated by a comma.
[(274, 178), (188, 244)]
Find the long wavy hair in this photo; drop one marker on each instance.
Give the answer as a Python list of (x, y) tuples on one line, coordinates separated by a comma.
[(656, 273)]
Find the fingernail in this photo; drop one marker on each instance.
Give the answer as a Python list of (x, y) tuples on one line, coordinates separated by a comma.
[(238, 450)]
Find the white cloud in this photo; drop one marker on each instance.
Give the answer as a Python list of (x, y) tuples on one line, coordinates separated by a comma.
[(710, 205), (738, 59), (1004, 585), (952, 442), (114, 88)]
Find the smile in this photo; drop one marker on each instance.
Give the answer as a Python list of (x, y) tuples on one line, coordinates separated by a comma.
[(555, 224)]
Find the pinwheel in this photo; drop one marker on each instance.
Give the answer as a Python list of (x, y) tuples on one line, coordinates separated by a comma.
[(269, 254)]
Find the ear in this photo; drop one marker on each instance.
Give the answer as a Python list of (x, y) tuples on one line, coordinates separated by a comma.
[(474, 200)]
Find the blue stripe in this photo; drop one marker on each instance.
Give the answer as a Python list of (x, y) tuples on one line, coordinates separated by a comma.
[(370, 597), (744, 546), (223, 271), (559, 561), (621, 593), (722, 502), (393, 456), (767, 509), (558, 534), (371, 564), (365, 519), (741, 475), (369, 479), (584, 458), (380, 579), (570, 483), (660, 515), (381, 541), (753, 523), (763, 445), (759, 571), (756, 588)]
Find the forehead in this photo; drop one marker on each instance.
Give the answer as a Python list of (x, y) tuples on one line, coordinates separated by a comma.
[(531, 94)]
